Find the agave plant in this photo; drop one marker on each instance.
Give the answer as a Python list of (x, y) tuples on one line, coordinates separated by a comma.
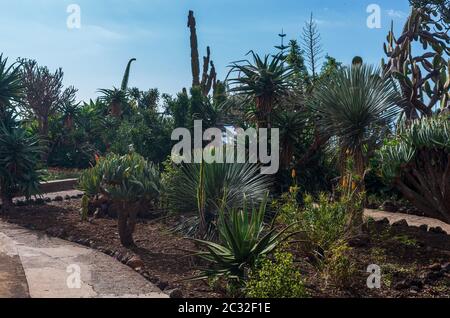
[(244, 239), (11, 88), (353, 108), (216, 182), (129, 182), (262, 81), (20, 154), (417, 162)]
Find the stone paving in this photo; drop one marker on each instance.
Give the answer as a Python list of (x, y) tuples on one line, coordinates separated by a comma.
[(43, 267)]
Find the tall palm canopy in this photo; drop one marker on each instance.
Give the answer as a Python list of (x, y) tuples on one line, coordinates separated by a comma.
[(262, 81), (352, 106)]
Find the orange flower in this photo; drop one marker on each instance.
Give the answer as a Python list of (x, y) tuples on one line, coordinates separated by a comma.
[(294, 173), (97, 158)]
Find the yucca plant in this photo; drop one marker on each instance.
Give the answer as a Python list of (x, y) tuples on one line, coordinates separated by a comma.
[(201, 188), (244, 239), (354, 109), (129, 182), (263, 81), (417, 162), (20, 154)]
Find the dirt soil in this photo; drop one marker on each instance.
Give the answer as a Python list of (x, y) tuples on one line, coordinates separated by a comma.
[(414, 263)]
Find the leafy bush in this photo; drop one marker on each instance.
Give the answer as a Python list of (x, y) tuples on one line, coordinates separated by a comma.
[(129, 182), (417, 163), (339, 267), (327, 221), (276, 279), (244, 240)]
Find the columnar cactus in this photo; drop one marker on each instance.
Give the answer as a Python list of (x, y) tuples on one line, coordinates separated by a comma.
[(424, 79), (209, 75)]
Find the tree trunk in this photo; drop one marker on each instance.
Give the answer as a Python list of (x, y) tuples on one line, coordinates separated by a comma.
[(127, 223)]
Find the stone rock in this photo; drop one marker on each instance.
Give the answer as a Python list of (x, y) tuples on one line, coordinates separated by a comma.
[(21, 203), (423, 228), (389, 206), (67, 197), (437, 230), (404, 284), (400, 224), (434, 276), (435, 267), (40, 201), (412, 284), (383, 222), (360, 241), (58, 198), (162, 284), (176, 293), (135, 262), (446, 267)]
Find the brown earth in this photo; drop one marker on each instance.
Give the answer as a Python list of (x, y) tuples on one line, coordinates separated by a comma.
[(414, 262)]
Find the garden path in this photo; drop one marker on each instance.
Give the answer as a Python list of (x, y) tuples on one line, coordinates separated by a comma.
[(51, 267)]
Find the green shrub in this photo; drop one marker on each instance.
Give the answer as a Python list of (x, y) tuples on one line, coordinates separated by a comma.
[(327, 221), (287, 206), (339, 267), (276, 278)]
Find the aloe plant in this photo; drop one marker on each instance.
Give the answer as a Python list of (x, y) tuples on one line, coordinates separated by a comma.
[(129, 182), (417, 162), (19, 161)]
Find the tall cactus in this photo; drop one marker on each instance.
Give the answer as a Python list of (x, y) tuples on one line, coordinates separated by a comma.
[(424, 79), (209, 75)]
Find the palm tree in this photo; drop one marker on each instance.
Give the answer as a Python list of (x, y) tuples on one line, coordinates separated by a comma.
[(11, 88), (70, 113), (262, 81), (352, 109), (116, 99)]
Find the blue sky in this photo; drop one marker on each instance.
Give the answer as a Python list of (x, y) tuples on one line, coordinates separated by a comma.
[(155, 32)]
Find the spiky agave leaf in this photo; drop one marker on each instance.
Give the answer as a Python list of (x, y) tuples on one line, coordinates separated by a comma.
[(244, 239)]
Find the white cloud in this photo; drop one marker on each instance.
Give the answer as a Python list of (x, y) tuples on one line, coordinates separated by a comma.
[(396, 14)]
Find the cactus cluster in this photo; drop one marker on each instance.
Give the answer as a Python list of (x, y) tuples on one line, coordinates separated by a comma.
[(424, 79)]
